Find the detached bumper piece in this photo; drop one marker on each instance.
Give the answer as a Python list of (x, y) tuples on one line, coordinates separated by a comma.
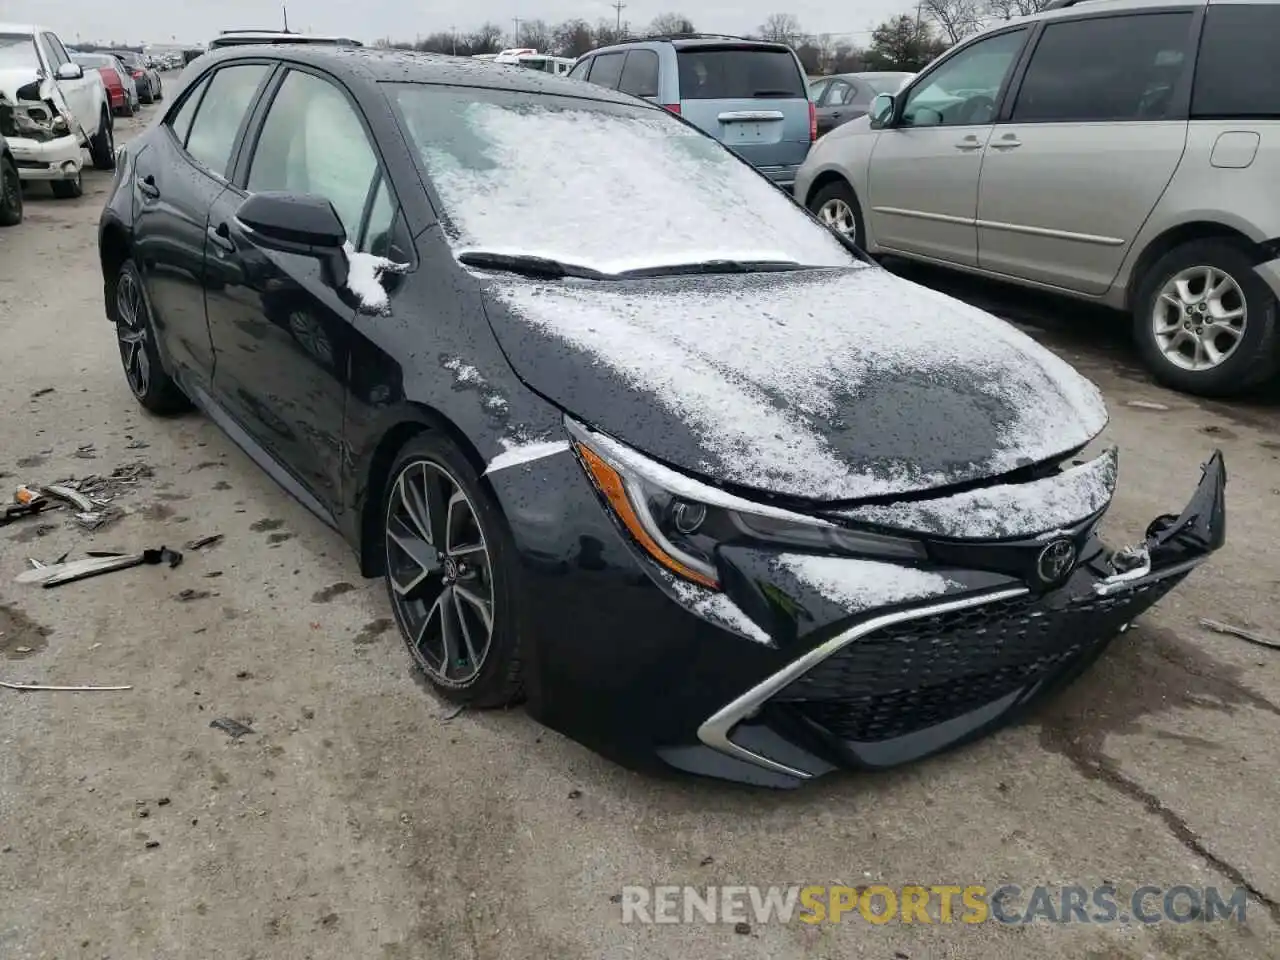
[(899, 686)]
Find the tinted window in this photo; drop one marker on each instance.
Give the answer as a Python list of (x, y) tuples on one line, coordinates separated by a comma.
[(221, 110), (17, 50), (739, 74), (377, 232), (640, 74), (313, 142), (1111, 68), (841, 93), (181, 121), (607, 70), (1239, 70), (964, 88), (579, 71)]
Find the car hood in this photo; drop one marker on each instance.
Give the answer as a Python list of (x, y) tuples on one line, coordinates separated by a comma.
[(823, 385), (13, 78)]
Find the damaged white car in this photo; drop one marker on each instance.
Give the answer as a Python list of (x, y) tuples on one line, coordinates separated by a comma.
[(51, 109)]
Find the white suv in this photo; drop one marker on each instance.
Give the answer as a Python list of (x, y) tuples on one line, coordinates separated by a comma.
[(50, 108)]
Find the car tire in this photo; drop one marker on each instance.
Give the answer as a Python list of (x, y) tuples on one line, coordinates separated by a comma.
[(127, 110), (837, 207), (10, 193), (1177, 300), (432, 484), (68, 189), (148, 381), (146, 97), (159, 90), (102, 146)]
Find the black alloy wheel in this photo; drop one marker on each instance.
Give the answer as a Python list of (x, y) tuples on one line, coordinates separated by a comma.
[(445, 546), (143, 371), (10, 193), (102, 146)]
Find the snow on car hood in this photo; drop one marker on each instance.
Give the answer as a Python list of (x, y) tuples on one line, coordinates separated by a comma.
[(828, 385)]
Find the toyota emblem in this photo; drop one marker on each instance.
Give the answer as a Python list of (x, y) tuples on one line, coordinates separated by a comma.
[(1056, 560)]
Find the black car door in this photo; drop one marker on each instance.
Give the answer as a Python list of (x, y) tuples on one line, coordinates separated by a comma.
[(177, 178), (281, 321)]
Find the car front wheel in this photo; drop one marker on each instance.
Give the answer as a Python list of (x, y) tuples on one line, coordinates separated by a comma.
[(1205, 322), (450, 574), (10, 193), (68, 189), (102, 146), (837, 207)]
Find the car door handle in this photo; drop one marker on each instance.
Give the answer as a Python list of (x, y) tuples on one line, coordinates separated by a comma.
[(220, 237), (970, 142), (1007, 142), (147, 186)]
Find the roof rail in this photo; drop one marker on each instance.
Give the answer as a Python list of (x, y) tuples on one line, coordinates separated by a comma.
[(1061, 4), (682, 36)]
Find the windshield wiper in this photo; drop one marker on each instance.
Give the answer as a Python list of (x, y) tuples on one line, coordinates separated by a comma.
[(529, 266), (707, 267)]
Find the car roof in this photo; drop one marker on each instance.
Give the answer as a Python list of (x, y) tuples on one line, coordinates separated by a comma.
[(233, 37), (375, 65), (692, 41), (30, 28)]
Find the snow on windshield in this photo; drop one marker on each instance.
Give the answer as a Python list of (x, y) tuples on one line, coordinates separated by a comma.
[(603, 185)]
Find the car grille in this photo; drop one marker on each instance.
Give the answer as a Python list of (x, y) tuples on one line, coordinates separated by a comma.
[(918, 673)]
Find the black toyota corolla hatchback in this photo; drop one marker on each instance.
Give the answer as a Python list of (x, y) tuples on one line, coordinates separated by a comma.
[(630, 435)]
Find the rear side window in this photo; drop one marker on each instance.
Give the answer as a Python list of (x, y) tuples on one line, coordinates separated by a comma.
[(607, 70), (739, 74), (1109, 68), (221, 111), (1238, 75), (180, 124), (640, 74), (579, 72)]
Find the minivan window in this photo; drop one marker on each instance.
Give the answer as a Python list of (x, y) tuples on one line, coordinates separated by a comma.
[(740, 73), (1238, 75), (614, 186), (579, 71), (1108, 68), (213, 132), (964, 88), (608, 69), (640, 75)]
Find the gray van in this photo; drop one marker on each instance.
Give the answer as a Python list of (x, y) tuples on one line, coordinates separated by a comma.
[(750, 95)]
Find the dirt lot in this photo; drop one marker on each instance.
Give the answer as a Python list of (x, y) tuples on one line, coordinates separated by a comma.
[(359, 820)]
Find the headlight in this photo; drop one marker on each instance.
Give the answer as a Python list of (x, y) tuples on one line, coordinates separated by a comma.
[(680, 522)]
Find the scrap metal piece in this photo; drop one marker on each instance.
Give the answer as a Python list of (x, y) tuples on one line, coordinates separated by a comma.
[(201, 542), (232, 728), (1240, 633), (63, 573), (67, 495), (52, 686)]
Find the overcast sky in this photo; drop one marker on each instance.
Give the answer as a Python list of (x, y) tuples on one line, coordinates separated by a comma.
[(195, 21)]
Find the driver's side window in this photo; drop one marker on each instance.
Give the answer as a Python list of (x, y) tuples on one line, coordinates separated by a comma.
[(964, 89)]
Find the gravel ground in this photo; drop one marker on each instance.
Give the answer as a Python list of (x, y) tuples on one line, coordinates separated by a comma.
[(360, 820)]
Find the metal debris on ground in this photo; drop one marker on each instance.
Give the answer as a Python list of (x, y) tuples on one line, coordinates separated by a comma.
[(68, 495), (446, 717), (62, 573), (12, 512), (189, 594), (1146, 405), (86, 451), (49, 686), (1240, 633), (202, 542), (42, 392), (232, 728)]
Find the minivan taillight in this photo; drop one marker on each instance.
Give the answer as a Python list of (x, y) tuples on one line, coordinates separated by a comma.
[(673, 107), (813, 122)]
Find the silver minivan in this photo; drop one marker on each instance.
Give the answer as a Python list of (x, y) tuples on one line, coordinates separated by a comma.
[(1125, 152), (751, 95)]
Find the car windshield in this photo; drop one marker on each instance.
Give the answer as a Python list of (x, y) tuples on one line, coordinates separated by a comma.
[(610, 186), (739, 73), (18, 50)]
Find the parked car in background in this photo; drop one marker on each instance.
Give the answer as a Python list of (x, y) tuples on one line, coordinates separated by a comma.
[(847, 96), (50, 108), (1114, 151), (689, 474), (147, 79), (121, 89), (10, 186), (750, 95)]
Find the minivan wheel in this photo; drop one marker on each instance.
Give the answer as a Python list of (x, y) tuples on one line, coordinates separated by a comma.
[(135, 334), (450, 574), (837, 207), (1205, 322)]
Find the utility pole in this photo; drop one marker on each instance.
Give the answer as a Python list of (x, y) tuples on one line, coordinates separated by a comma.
[(453, 36), (618, 6), (516, 21)]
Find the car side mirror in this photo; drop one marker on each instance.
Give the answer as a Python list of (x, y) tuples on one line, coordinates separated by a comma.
[(293, 222), (69, 71), (881, 111)]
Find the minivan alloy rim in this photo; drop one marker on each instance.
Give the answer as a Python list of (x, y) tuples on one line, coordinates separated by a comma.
[(1199, 318), (440, 572), (131, 332), (838, 215)]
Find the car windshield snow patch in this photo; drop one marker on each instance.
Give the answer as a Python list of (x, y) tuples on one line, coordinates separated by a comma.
[(862, 584), (763, 369), (1005, 510), (606, 186)]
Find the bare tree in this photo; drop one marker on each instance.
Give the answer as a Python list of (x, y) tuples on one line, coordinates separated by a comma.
[(536, 34), (572, 38), (486, 39), (1008, 9), (607, 32), (668, 24), (780, 27), (958, 19)]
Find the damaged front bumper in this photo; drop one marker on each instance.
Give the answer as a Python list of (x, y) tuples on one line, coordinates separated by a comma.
[(57, 159), (898, 684), (45, 141)]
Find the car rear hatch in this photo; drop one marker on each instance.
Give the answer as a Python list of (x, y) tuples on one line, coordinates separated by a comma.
[(751, 97)]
